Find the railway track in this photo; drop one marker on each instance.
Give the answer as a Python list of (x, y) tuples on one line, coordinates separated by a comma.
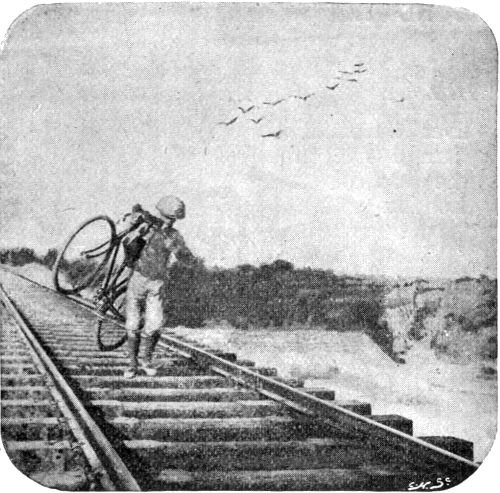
[(207, 421)]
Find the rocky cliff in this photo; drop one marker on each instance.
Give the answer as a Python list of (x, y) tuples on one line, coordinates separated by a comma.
[(456, 319)]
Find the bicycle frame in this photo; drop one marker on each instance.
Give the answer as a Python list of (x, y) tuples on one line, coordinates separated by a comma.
[(110, 284), (105, 274)]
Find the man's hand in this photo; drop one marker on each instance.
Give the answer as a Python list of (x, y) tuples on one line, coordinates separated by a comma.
[(132, 219)]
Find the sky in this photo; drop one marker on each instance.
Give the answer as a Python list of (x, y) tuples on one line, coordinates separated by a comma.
[(394, 173)]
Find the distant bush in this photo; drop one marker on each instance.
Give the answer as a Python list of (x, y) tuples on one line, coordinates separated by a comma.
[(22, 256), (18, 256), (49, 259), (464, 279)]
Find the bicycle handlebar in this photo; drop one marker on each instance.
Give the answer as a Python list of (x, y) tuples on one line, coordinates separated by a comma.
[(144, 217), (148, 218)]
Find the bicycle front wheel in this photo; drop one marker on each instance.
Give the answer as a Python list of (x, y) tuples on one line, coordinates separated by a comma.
[(81, 262), (110, 331)]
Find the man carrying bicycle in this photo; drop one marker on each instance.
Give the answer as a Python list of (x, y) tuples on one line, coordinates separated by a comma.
[(151, 247)]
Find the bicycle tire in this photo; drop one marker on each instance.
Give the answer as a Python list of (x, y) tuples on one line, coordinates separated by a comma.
[(110, 335), (58, 269)]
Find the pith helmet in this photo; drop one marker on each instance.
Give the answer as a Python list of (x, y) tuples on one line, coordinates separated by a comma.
[(171, 206)]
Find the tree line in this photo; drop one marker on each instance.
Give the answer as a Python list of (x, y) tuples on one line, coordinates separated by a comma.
[(270, 295), (21, 256)]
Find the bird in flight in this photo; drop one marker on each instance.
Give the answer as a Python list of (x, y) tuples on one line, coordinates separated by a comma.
[(400, 100), (359, 64), (304, 98), (357, 71), (274, 103), (275, 134), (345, 72), (258, 120), (332, 88), (230, 122), (352, 80), (243, 110)]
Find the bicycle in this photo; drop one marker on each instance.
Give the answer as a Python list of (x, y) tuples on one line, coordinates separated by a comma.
[(97, 258)]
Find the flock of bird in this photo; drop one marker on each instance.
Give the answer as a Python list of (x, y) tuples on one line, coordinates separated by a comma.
[(358, 69)]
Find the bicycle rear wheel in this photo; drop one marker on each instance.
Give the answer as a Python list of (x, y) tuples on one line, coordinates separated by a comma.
[(110, 333), (83, 257)]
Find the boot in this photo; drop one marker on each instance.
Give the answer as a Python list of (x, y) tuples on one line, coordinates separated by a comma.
[(133, 342), (150, 342)]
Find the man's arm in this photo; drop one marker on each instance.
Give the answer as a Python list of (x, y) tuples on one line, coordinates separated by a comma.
[(137, 229), (182, 253)]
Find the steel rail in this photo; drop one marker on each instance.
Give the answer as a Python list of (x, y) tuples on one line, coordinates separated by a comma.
[(101, 455), (335, 417), (393, 442)]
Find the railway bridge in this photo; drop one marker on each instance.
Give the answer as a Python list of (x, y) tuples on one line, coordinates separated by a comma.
[(207, 421)]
